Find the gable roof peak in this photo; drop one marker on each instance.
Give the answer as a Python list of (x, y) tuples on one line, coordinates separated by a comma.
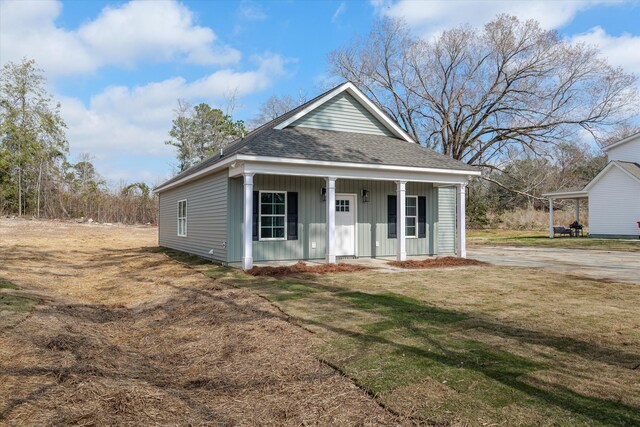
[(356, 93)]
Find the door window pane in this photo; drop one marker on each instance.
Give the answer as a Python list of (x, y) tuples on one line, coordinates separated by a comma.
[(342, 205)]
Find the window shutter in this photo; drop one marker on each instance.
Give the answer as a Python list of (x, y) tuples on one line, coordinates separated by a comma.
[(256, 214), (392, 217), (422, 216), (292, 216)]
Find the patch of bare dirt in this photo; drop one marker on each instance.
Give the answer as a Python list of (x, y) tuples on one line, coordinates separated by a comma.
[(123, 335), (448, 261), (301, 268)]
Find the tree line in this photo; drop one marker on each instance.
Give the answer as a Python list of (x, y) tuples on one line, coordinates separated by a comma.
[(36, 177)]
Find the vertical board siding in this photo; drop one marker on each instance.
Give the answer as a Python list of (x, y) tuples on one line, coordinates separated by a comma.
[(343, 113), (371, 222), (206, 217), (446, 234), (614, 205)]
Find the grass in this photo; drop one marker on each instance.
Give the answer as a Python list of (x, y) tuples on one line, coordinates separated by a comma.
[(16, 303), (5, 284), (496, 237), (474, 346), (13, 302)]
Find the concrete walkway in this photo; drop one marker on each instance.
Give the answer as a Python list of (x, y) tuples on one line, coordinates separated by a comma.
[(598, 264)]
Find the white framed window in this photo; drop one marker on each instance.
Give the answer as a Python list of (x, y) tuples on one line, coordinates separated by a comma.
[(411, 216), (273, 215), (182, 218)]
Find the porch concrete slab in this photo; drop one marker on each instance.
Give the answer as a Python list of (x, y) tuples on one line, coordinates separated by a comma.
[(598, 264)]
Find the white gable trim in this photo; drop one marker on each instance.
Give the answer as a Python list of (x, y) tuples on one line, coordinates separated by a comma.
[(621, 142), (605, 171), (360, 97)]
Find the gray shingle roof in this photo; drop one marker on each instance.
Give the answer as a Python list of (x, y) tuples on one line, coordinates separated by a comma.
[(333, 146), (631, 167), (324, 145)]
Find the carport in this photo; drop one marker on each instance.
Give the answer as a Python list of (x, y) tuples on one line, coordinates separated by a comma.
[(564, 195)]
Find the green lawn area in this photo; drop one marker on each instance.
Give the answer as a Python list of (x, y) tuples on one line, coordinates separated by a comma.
[(475, 345), (14, 302), (541, 239)]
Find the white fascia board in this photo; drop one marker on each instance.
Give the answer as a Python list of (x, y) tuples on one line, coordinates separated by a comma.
[(363, 99), (611, 164), (282, 163), (339, 172), (346, 165), (213, 168), (621, 142)]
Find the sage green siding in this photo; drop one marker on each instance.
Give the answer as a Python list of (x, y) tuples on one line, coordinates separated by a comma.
[(206, 217), (311, 219), (343, 113), (446, 220), (371, 223)]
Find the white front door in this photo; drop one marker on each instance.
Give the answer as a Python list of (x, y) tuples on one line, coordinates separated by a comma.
[(345, 224)]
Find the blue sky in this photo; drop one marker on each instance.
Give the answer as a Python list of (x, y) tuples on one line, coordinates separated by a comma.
[(118, 68)]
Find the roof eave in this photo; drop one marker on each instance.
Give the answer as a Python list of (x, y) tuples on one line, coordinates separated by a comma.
[(621, 142)]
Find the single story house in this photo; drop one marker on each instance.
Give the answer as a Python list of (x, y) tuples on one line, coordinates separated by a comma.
[(334, 177), (613, 195)]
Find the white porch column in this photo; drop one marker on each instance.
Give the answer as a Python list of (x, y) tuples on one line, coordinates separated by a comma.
[(331, 221), (578, 210), (247, 232), (461, 237), (401, 220), (550, 218)]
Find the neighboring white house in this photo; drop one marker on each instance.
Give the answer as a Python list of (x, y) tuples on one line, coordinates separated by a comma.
[(614, 194)]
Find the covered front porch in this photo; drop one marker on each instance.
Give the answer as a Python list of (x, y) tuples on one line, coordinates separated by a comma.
[(576, 196), (342, 213)]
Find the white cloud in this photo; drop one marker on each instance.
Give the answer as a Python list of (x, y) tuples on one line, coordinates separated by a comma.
[(125, 122), (251, 11), (622, 51), (123, 35), (429, 18), (342, 8)]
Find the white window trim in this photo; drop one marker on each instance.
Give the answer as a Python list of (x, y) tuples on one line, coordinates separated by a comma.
[(179, 218), (271, 239), (415, 236)]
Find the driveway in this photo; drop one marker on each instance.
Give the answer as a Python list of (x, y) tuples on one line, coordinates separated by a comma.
[(598, 264)]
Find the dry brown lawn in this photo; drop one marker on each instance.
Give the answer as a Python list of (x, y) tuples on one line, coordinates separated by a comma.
[(122, 334), (477, 345)]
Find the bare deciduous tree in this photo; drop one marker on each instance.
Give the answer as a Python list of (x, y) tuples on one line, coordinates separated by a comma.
[(473, 94), (618, 134), (273, 107)]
